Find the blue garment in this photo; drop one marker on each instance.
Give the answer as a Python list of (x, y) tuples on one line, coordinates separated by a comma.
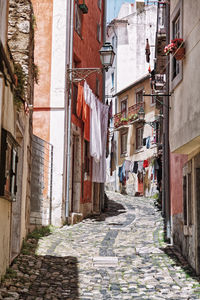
[(120, 175), (123, 170), (148, 142)]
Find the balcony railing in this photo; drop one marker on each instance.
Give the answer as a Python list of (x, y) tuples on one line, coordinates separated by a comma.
[(121, 119)]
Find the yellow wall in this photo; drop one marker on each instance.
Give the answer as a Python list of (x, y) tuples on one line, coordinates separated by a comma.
[(5, 212), (150, 111)]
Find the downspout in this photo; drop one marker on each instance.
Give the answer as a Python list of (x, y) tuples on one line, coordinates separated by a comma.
[(102, 204), (69, 108), (167, 158)]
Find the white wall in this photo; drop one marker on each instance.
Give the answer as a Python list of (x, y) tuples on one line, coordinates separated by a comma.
[(131, 59), (57, 101)]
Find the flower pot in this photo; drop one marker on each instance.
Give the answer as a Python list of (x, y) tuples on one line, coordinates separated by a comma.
[(83, 8), (179, 53)]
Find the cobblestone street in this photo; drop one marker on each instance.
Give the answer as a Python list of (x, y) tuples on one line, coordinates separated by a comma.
[(118, 255)]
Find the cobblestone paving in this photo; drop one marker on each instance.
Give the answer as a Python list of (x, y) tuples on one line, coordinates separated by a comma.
[(67, 264)]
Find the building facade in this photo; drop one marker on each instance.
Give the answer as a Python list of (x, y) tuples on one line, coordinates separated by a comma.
[(16, 96), (138, 161), (184, 129), (128, 34), (85, 193)]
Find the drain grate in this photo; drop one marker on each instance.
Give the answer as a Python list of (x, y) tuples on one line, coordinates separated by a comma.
[(105, 261)]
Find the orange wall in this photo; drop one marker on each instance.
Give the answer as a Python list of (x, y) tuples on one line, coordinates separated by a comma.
[(86, 49), (177, 161), (43, 12), (86, 55)]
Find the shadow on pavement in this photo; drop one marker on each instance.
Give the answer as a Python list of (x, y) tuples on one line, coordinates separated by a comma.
[(179, 260), (33, 277), (112, 209)]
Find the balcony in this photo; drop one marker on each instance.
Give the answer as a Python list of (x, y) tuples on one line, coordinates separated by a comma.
[(123, 119)]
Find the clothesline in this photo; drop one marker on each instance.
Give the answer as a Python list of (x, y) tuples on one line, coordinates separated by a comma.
[(95, 117)]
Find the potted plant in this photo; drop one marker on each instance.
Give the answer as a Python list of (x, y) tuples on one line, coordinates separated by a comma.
[(83, 7), (124, 121), (177, 48), (133, 117)]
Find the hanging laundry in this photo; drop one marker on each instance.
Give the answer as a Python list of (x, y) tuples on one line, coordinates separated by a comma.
[(113, 156), (127, 164), (120, 174), (80, 98), (95, 129), (110, 110), (140, 166), (86, 120), (148, 142), (145, 163), (131, 167), (99, 168), (135, 168)]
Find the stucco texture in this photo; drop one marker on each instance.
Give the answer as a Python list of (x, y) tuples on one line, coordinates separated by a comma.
[(177, 161), (5, 208)]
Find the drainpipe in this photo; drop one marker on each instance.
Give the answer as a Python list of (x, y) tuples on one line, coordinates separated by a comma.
[(102, 204), (69, 109), (166, 158)]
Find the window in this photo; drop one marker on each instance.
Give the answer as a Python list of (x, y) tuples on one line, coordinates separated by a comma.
[(99, 33), (8, 170), (139, 96), (124, 108), (176, 32), (124, 138), (87, 157), (187, 194), (112, 80), (99, 4), (78, 19), (139, 137), (176, 35)]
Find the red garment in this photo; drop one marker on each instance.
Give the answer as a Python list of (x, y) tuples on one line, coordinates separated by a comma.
[(80, 98), (86, 120), (145, 164)]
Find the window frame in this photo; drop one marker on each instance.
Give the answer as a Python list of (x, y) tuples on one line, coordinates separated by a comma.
[(139, 137), (139, 92), (8, 170), (78, 17), (99, 4), (99, 32), (176, 78), (123, 144), (124, 112)]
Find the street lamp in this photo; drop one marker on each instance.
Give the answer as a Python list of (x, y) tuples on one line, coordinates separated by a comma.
[(141, 114), (107, 55)]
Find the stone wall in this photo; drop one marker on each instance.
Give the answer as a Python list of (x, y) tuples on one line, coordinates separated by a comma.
[(21, 44)]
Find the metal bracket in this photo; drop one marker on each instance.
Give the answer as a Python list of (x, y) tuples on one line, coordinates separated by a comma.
[(79, 74), (159, 95)]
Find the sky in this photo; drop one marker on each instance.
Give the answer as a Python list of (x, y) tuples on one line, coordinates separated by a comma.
[(113, 7)]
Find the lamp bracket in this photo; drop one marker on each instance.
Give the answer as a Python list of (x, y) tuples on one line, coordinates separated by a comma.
[(79, 74), (159, 95)]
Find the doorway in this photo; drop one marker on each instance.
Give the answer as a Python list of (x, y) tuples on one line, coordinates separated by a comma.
[(76, 174)]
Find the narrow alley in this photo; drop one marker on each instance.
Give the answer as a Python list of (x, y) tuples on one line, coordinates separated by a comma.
[(119, 254)]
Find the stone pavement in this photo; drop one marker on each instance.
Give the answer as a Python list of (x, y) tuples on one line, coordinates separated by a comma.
[(118, 255)]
